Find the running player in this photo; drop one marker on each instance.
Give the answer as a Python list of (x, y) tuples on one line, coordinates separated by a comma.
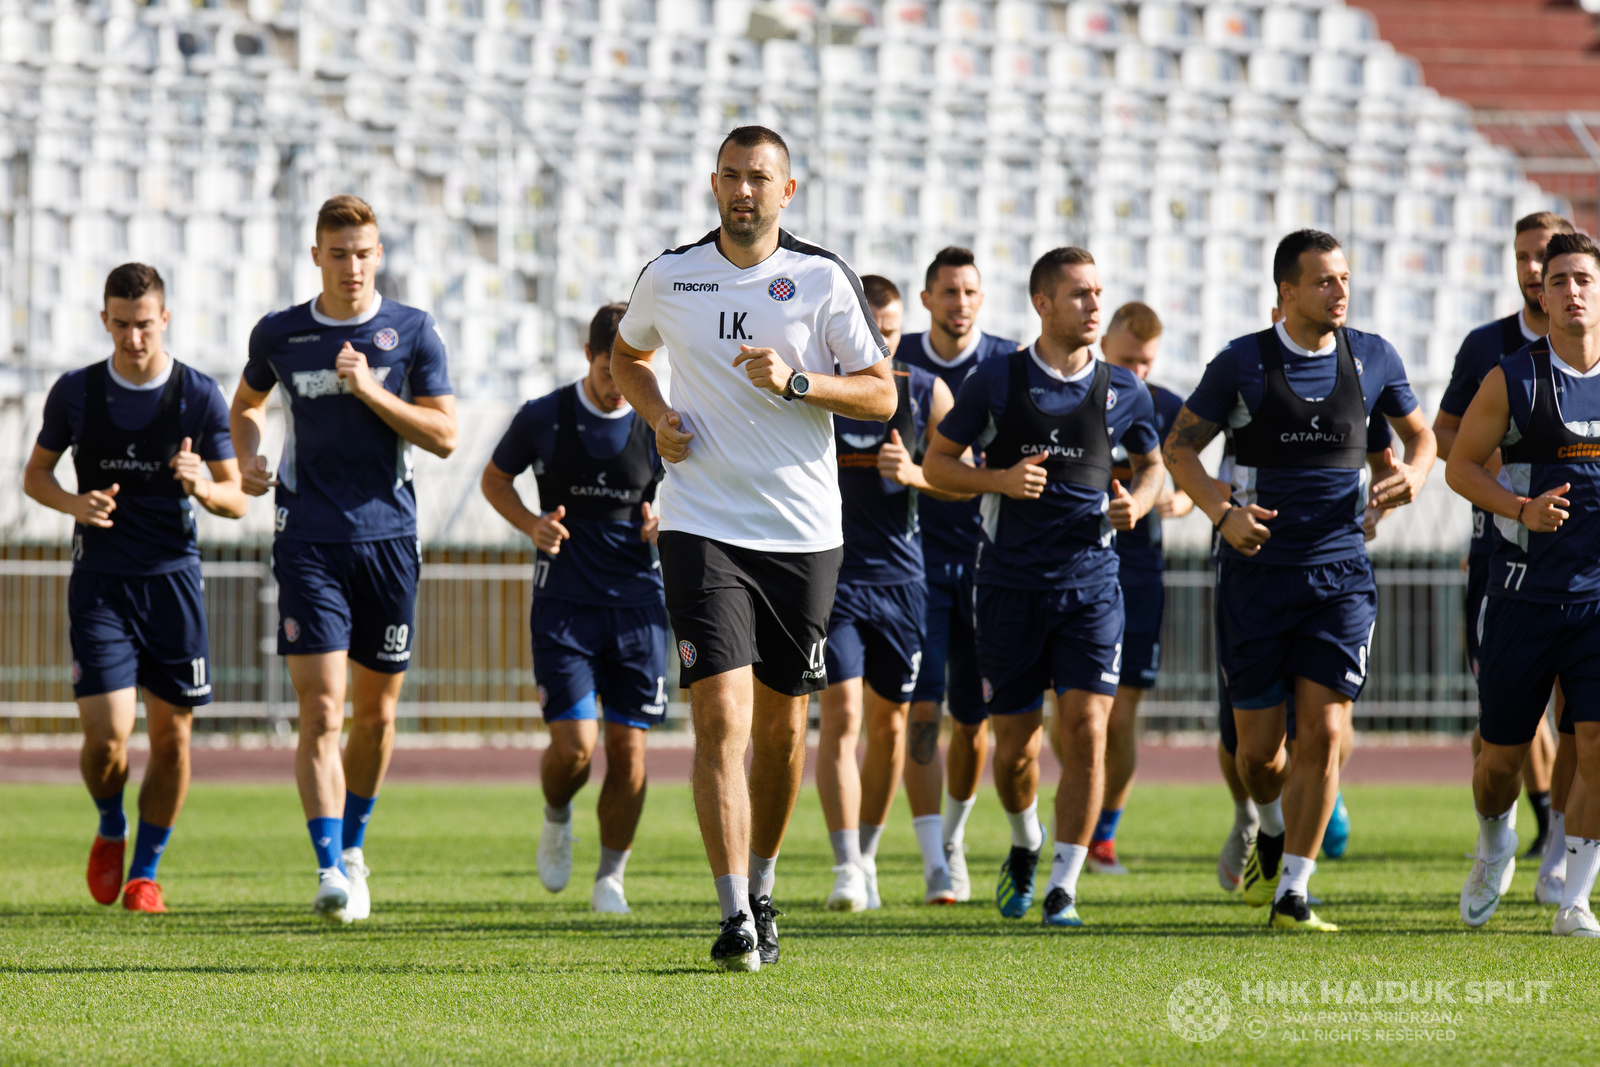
[(1049, 609), (364, 379), (145, 431), (1482, 350), (1296, 595), (756, 322), (599, 625), (875, 632), (952, 348), (1541, 409), (1131, 342)]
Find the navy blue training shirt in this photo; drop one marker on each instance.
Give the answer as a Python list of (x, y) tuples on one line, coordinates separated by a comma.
[(1319, 510), (951, 529), (141, 539), (345, 476), (1069, 543), (1561, 567), (1139, 549), (882, 542), (1481, 352), (604, 562)]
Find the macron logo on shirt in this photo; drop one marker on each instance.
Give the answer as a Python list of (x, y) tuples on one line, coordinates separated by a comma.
[(694, 287), (314, 383)]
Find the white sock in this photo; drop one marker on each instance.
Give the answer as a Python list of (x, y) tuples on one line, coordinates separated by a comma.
[(1065, 868), (870, 836), (930, 841), (1245, 813), (764, 873), (1583, 862), (1554, 861), (846, 847), (955, 818), (733, 894), (1271, 817), (1025, 829), (1296, 874), (1495, 834)]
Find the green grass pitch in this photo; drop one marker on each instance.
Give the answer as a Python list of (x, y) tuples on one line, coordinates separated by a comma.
[(468, 960)]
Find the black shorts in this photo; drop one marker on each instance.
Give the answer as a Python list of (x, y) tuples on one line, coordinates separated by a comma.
[(736, 607)]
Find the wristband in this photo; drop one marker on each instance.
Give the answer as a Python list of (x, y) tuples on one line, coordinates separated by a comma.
[(1224, 516), (1525, 502)]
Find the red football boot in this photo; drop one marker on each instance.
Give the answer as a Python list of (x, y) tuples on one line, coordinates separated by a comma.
[(142, 894), (105, 869), (1103, 858)]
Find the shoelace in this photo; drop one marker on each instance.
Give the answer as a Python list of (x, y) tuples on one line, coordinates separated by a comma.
[(735, 921), (764, 909)]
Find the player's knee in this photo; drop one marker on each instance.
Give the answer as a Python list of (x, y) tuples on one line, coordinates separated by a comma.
[(782, 731)]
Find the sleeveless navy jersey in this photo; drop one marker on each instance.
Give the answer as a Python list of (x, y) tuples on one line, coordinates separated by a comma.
[(1062, 540), (951, 529), (344, 475), (1553, 438), (1480, 353), (1139, 549), (125, 435), (1319, 507), (601, 467), (882, 545)]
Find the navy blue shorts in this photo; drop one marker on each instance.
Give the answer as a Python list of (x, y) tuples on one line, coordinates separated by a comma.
[(1526, 646), (1477, 590), (1143, 604), (950, 646), (359, 598), (1279, 623), (148, 631), (875, 633), (1031, 639), (617, 653)]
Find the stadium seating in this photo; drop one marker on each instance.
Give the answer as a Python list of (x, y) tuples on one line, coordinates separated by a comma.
[(527, 157)]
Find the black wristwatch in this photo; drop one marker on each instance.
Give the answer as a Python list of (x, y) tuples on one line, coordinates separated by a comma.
[(799, 386)]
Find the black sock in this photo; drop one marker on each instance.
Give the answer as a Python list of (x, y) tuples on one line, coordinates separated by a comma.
[(1541, 811), (1271, 850)]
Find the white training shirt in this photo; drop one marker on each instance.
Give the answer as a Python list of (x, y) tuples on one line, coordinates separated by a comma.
[(761, 471)]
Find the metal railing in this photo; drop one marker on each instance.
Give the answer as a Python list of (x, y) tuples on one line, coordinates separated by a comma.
[(473, 671)]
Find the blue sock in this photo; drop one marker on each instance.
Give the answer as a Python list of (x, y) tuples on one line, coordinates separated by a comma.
[(147, 849), (326, 835), (1105, 829), (357, 810), (113, 824)]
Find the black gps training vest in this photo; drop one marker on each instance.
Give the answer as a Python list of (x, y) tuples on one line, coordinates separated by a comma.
[(593, 488), (1078, 442), (133, 460), (1289, 432), (1546, 439)]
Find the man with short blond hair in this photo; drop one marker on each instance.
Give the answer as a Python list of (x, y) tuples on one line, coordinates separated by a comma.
[(364, 379), (1131, 342)]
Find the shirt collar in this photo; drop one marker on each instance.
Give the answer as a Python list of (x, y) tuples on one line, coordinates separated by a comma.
[(1283, 335), (939, 361), (1076, 376), (583, 398), (154, 383), (1522, 324), (356, 320)]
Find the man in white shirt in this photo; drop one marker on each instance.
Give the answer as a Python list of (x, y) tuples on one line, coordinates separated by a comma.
[(750, 542)]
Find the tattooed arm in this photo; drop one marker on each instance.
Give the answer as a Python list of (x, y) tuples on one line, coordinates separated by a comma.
[(1190, 434)]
